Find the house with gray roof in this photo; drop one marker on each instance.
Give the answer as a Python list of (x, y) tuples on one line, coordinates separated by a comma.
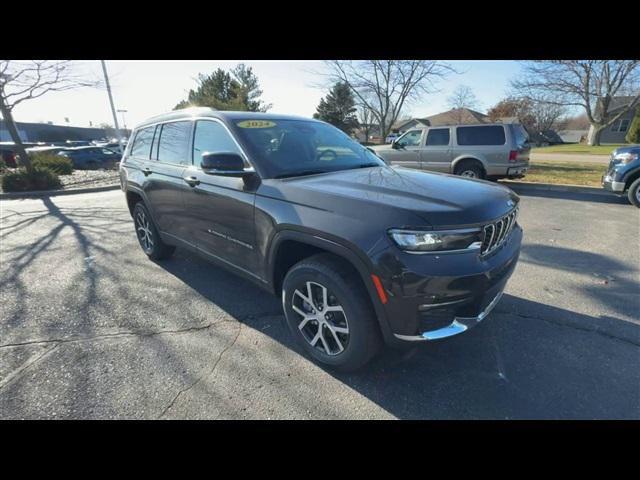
[(616, 132)]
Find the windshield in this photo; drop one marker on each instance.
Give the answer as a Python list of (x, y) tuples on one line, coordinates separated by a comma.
[(288, 148)]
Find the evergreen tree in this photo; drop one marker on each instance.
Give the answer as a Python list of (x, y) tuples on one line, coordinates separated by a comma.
[(238, 90), (338, 108)]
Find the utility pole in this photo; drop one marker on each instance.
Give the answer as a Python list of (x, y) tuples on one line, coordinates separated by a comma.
[(113, 109), (124, 122)]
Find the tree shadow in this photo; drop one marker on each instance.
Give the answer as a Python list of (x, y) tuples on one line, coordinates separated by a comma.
[(611, 283), (526, 360)]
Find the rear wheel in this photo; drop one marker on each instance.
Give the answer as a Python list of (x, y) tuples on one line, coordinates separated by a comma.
[(148, 236), (328, 312), (469, 169), (634, 193)]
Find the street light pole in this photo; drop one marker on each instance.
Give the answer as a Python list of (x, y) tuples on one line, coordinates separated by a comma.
[(113, 109)]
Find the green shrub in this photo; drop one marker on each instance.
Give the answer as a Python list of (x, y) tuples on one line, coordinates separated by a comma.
[(3, 165), (24, 181), (633, 135), (56, 163)]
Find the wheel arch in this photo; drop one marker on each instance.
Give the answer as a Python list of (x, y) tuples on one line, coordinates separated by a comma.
[(631, 177), (476, 158), (276, 268)]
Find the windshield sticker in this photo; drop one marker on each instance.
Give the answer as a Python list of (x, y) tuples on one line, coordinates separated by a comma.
[(256, 124)]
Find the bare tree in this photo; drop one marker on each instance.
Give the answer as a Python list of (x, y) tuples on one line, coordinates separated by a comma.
[(365, 119), (27, 80), (461, 98), (590, 84), (386, 86)]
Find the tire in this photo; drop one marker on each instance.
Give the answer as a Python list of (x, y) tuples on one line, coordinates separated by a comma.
[(147, 233), (356, 327), (634, 193), (469, 169)]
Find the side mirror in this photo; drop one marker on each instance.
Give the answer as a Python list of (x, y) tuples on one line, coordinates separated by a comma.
[(227, 164), (396, 146)]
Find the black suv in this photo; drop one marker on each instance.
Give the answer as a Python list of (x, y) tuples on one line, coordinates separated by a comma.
[(358, 251)]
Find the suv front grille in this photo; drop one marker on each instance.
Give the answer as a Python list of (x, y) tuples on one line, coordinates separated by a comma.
[(497, 232)]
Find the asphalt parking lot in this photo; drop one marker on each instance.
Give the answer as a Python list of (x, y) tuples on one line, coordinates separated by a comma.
[(90, 328)]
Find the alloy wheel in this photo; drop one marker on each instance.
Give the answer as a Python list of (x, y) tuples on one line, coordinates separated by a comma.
[(323, 322), (143, 229), (468, 174)]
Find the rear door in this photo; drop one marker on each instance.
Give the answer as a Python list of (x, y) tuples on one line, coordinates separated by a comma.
[(436, 154), (407, 150), (219, 209), (164, 184)]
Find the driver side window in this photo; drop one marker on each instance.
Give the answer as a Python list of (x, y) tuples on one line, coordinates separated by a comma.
[(410, 139)]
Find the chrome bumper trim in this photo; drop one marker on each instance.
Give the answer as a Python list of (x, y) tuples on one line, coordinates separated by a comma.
[(617, 186), (457, 326)]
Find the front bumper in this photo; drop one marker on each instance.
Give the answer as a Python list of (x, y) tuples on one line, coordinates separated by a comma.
[(432, 297), (608, 183), (457, 326)]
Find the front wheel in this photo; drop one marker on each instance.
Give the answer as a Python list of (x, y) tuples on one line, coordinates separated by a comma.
[(329, 313), (634, 193)]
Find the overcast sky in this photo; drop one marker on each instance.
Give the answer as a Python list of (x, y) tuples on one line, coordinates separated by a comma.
[(146, 88)]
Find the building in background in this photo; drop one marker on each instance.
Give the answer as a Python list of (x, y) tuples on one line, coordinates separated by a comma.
[(46, 132), (616, 132)]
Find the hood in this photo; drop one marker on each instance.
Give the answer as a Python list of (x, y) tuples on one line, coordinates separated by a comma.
[(438, 199), (626, 149)]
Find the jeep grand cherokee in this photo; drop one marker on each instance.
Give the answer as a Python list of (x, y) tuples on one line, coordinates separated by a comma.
[(359, 252)]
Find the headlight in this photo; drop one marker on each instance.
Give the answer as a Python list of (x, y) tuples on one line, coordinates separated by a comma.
[(624, 158), (437, 241)]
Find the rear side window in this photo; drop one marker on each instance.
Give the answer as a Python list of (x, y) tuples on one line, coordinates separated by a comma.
[(211, 137), (489, 135), (521, 136), (439, 136), (174, 142), (142, 143)]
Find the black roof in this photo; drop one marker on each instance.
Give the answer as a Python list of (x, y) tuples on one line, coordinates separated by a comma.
[(224, 115)]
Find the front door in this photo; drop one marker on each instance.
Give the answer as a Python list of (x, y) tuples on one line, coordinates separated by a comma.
[(436, 154), (220, 210), (406, 150)]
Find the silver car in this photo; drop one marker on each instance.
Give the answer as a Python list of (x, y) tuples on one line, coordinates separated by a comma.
[(476, 151)]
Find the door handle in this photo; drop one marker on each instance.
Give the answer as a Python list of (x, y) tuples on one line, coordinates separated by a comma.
[(147, 171), (192, 181)]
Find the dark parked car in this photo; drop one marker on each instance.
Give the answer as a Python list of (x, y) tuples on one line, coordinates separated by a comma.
[(91, 157), (358, 251), (623, 174)]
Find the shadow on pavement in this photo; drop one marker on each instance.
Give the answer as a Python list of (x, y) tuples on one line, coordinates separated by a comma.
[(526, 360), (514, 365)]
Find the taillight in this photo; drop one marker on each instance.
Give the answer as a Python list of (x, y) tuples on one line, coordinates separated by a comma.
[(513, 155)]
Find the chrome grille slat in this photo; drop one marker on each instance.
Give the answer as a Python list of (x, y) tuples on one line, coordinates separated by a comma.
[(496, 233)]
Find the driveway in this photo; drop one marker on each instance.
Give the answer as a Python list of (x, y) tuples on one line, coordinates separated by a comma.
[(90, 328)]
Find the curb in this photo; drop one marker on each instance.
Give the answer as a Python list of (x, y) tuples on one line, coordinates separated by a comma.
[(552, 187), (54, 193)]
